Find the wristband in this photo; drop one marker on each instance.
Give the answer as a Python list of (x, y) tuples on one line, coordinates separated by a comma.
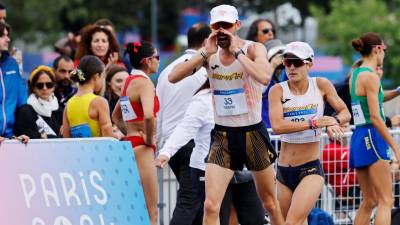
[(398, 90), (204, 55), (237, 53), (313, 123)]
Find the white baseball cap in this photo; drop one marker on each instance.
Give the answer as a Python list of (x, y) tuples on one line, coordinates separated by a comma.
[(299, 49), (224, 13), (273, 47)]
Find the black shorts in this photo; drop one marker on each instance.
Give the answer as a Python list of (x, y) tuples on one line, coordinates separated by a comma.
[(233, 147), (291, 176)]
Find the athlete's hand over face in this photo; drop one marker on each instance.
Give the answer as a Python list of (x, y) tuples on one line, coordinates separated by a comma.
[(235, 42), (211, 43), (326, 121), (335, 132)]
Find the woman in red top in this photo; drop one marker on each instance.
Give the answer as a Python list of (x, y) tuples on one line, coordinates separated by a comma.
[(135, 115)]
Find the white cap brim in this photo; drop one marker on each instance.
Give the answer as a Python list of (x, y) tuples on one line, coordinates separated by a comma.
[(222, 19)]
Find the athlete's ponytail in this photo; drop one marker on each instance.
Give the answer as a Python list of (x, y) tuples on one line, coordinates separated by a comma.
[(366, 42), (137, 51)]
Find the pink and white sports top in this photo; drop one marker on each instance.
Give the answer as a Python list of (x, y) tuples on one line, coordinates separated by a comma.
[(300, 108), (237, 97)]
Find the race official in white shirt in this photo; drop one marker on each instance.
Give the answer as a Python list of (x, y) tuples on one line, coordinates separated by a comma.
[(174, 100), (196, 124)]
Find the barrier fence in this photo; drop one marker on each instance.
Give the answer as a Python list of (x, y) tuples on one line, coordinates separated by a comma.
[(340, 196)]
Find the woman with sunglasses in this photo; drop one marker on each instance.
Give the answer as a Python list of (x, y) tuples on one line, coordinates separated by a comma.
[(369, 151), (87, 114), (135, 115), (261, 30), (42, 116), (296, 113)]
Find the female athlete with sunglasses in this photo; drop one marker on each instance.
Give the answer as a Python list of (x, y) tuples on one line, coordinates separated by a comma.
[(296, 112), (41, 117), (369, 151), (135, 115)]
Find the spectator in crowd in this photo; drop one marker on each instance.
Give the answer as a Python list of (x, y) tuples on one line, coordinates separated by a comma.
[(275, 49), (41, 117), (65, 89), (135, 115), (115, 77), (196, 124), (261, 30), (370, 141), (12, 86), (174, 100), (87, 114), (99, 41)]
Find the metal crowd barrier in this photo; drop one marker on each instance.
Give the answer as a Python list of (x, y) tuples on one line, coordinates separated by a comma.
[(340, 196)]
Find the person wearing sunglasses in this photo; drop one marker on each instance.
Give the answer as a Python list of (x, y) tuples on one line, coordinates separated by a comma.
[(41, 117), (135, 115), (296, 113), (261, 30), (237, 70), (369, 150)]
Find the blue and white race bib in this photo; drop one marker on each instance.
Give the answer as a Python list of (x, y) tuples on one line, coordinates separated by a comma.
[(126, 108), (230, 102)]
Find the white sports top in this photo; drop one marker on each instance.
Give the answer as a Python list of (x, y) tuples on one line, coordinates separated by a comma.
[(237, 97), (299, 108)]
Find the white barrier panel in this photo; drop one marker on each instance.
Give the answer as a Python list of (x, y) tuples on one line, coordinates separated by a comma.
[(70, 181)]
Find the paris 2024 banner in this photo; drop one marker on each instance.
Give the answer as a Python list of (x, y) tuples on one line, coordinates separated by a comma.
[(70, 182)]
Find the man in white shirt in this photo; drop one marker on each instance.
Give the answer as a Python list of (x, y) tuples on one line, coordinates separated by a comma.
[(174, 100)]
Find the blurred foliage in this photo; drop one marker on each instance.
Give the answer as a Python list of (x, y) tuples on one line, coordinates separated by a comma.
[(349, 19), (45, 21)]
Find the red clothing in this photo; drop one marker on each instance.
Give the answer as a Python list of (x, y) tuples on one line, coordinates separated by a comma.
[(335, 162), (137, 141), (137, 107)]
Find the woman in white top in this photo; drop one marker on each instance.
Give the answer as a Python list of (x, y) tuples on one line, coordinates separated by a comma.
[(296, 112)]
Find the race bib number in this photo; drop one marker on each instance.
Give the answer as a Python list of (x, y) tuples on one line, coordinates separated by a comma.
[(230, 102), (358, 114), (126, 108)]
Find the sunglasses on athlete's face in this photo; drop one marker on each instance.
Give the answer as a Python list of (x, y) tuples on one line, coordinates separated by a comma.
[(151, 57), (382, 46), (40, 86), (296, 62), (223, 25)]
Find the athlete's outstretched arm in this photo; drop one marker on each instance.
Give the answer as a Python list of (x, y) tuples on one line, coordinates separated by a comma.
[(390, 94)]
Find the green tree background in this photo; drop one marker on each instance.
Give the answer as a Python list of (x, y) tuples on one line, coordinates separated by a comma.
[(349, 19)]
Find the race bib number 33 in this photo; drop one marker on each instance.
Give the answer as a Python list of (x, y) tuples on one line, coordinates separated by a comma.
[(230, 102)]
